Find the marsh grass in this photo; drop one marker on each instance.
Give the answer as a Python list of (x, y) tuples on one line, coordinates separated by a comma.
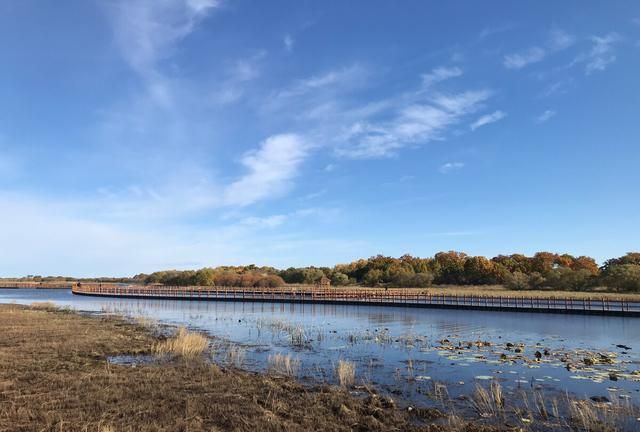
[(297, 336), (55, 376), (284, 364), (601, 417), (346, 373), (44, 306), (185, 344), (235, 356), (489, 402), (146, 322)]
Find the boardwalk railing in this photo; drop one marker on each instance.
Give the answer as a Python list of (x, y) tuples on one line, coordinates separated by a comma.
[(37, 285), (370, 296)]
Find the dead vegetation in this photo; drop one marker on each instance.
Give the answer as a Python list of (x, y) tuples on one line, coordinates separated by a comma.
[(185, 343), (54, 376), (284, 364), (346, 372)]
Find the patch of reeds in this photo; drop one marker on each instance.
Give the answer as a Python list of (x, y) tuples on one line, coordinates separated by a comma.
[(185, 343), (297, 336), (235, 356), (45, 306), (284, 364), (146, 322), (346, 372), (489, 402)]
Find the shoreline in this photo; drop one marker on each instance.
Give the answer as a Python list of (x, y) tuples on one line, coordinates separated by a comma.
[(55, 378), (63, 377)]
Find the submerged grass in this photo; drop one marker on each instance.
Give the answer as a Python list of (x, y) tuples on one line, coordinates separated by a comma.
[(284, 364), (235, 356)]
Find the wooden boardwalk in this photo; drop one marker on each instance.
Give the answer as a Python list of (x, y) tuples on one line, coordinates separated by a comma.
[(370, 296), (9, 284)]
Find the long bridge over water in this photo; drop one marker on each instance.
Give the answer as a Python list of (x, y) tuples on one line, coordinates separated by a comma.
[(409, 297)]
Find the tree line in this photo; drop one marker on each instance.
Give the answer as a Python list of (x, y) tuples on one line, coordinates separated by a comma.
[(543, 270)]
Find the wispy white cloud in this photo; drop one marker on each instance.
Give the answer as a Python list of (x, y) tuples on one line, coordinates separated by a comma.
[(329, 108), (416, 123), (239, 74), (346, 77), (440, 74), (488, 119), (520, 60), (53, 237), (545, 116), (289, 42), (602, 53), (147, 31), (556, 87), (558, 40), (491, 31), (265, 222), (270, 170), (450, 166)]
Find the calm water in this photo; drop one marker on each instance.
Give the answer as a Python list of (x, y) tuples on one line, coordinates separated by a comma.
[(404, 351)]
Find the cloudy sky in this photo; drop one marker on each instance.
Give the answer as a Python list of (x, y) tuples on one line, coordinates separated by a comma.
[(139, 135)]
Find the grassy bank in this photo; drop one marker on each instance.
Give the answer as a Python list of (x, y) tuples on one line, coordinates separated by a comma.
[(54, 376)]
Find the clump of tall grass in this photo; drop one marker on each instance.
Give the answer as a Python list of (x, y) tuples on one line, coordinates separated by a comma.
[(146, 322), (235, 356), (284, 364), (185, 343), (45, 306), (346, 372), (297, 336), (489, 403)]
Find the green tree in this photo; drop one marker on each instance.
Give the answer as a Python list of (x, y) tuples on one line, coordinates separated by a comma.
[(339, 279), (623, 277), (564, 278), (204, 277), (517, 281)]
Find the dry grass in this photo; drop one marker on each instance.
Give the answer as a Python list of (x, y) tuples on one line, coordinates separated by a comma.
[(284, 364), (235, 356), (54, 376), (45, 306), (489, 403), (185, 343), (500, 290), (346, 372), (490, 290)]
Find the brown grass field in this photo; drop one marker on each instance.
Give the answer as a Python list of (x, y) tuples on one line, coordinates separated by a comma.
[(54, 376)]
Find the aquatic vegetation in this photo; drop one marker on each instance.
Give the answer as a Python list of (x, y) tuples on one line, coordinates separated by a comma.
[(284, 364), (185, 343), (488, 403), (297, 336), (235, 356), (346, 373)]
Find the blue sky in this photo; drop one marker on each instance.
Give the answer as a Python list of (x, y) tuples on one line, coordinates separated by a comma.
[(145, 135)]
